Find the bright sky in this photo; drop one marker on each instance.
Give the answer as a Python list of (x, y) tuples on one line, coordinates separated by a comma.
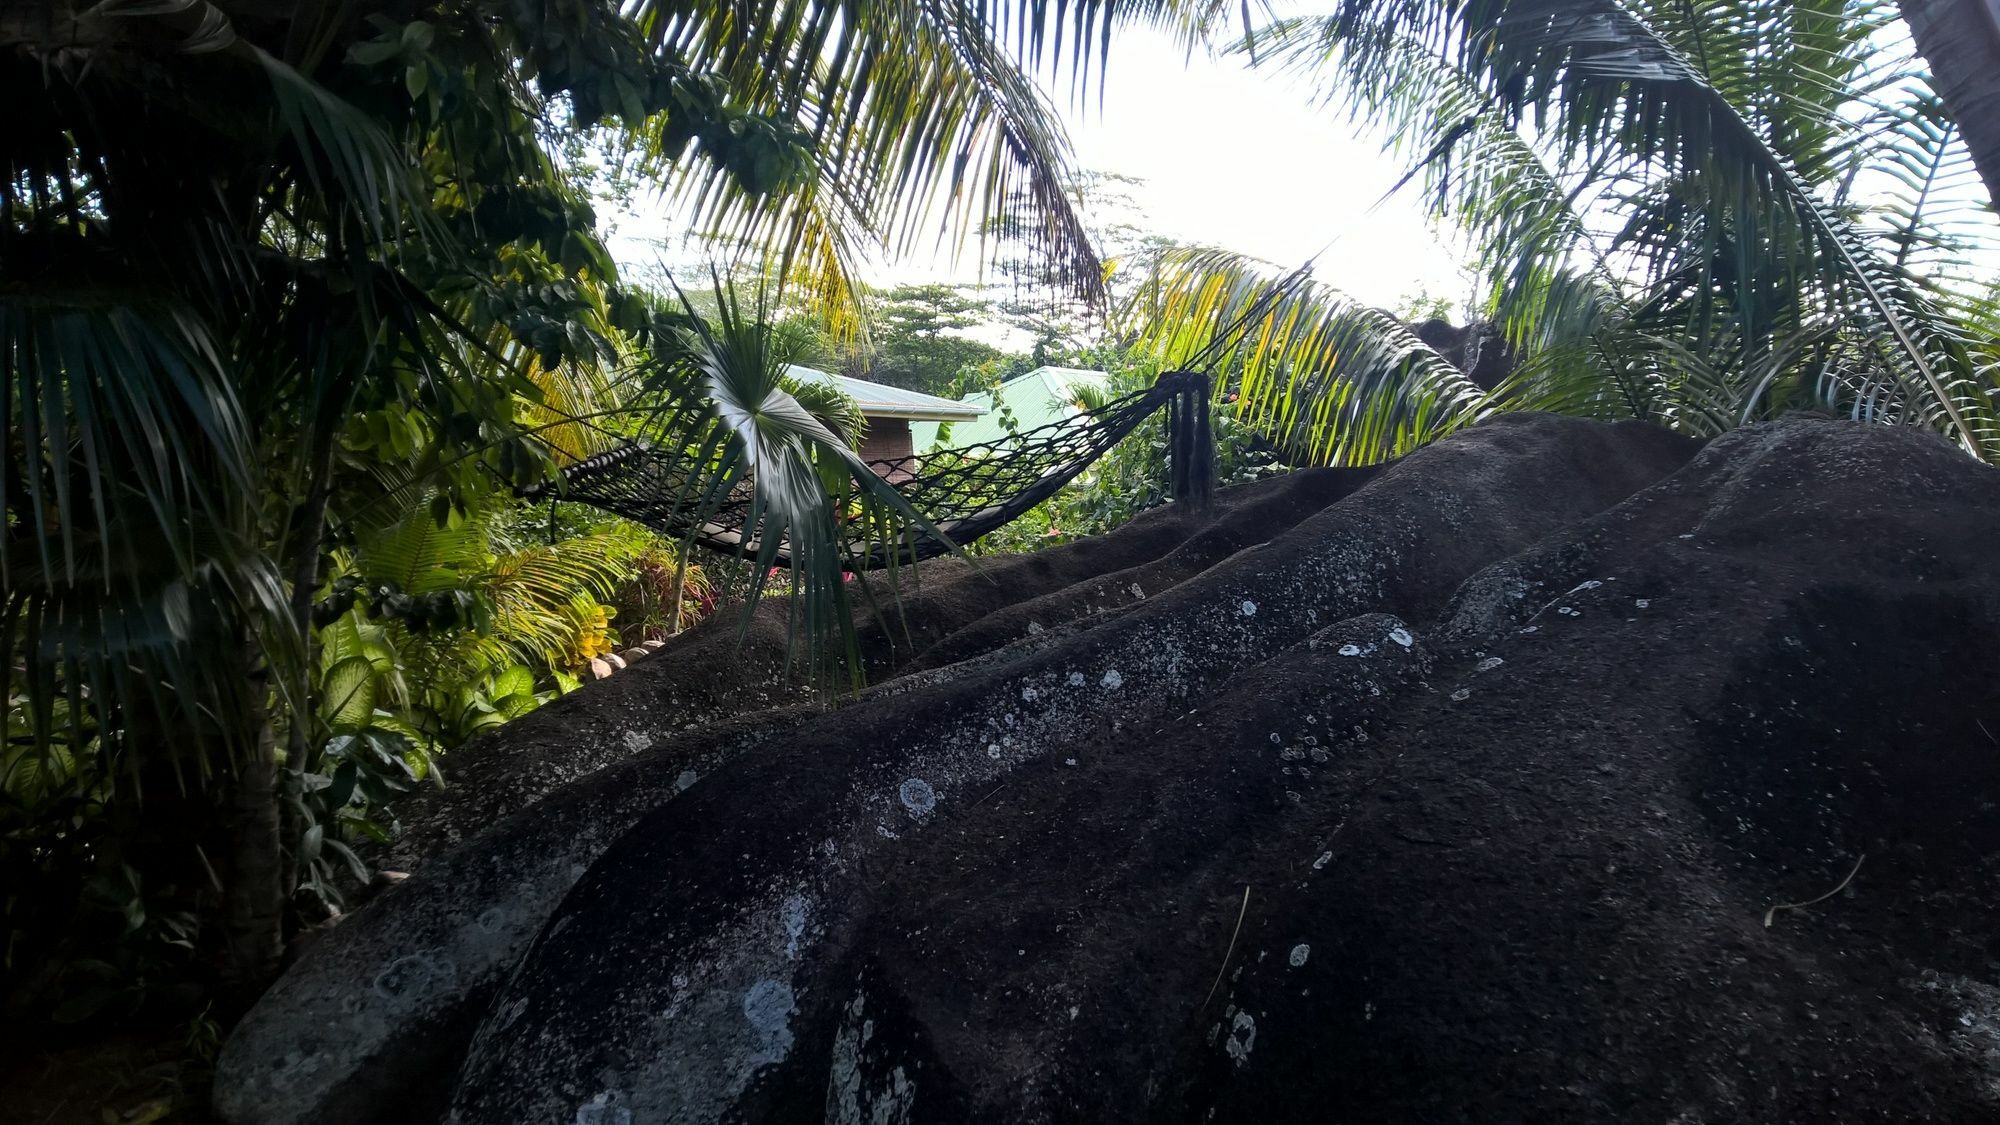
[(1243, 160), (1229, 158)]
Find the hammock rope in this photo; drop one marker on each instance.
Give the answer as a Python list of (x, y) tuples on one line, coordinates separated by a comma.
[(965, 493)]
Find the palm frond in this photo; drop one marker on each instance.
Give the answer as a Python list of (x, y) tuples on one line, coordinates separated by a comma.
[(1329, 379), (350, 161), (1709, 156), (107, 391), (923, 123)]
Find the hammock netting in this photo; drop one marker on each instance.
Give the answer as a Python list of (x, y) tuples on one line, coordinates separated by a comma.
[(965, 492)]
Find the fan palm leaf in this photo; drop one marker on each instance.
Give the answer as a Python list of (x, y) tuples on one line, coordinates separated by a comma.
[(717, 399)]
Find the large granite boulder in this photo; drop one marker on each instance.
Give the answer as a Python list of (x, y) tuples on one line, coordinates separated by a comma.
[(1559, 772), (370, 1024)]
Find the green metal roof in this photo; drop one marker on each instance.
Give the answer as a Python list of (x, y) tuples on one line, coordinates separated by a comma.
[(880, 401), (1044, 395)]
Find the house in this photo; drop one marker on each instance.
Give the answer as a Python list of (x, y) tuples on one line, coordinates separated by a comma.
[(891, 411), (1044, 395)]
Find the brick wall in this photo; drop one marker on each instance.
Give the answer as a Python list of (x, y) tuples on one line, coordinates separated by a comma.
[(886, 438)]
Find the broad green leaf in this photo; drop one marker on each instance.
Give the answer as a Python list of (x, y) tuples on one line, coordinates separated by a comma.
[(347, 692)]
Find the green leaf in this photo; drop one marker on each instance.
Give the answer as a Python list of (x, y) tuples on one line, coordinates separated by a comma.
[(515, 679), (347, 855), (374, 52), (342, 788), (348, 692)]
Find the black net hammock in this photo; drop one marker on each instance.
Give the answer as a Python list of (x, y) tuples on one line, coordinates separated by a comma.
[(965, 493)]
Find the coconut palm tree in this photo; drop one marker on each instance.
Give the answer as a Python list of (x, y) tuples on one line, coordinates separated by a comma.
[(273, 269), (1701, 214)]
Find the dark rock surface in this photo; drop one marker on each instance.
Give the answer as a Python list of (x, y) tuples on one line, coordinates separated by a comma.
[(378, 1009), (1478, 349), (718, 671), (1466, 795)]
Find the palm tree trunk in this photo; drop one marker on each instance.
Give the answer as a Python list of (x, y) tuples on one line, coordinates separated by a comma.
[(305, 581), (1961, 41), (253, 906)]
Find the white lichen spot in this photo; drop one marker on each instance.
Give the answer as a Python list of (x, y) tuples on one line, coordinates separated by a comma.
[(1324, 859), (1976, 1036), (1076, 679), (993, 751), (1350, 650), (1402, 637), (1035, 628), (1276, 740), (1531, 629), (1136, 590), (1248, 608), (684, 779), (1488, 664), (1461, 695), (795, 912), (1568, 611), (604, 1110), (1069, 761), (768, 1007), (416, 977), (843, 1092), (637, 741), (917, 796), (1299, 953), (1642, 603), (1029, 695), (1242, 1037), (1112, 680)]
